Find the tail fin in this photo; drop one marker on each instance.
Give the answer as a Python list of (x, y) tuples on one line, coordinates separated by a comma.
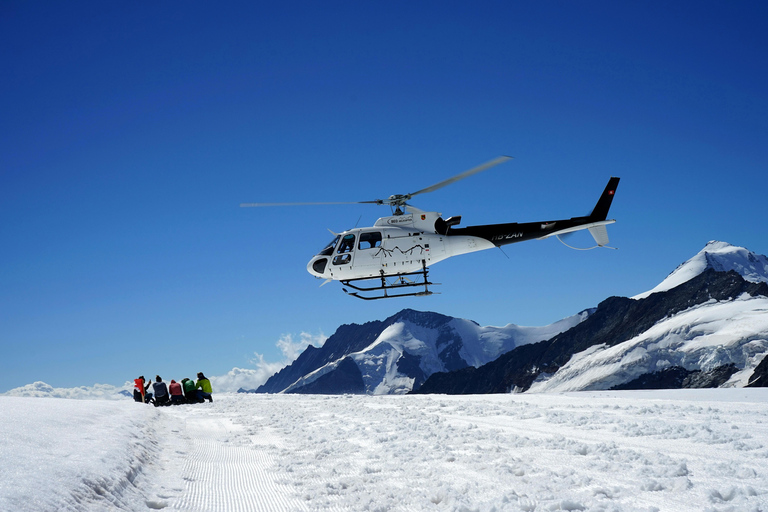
[(600, 213), (604, 203)]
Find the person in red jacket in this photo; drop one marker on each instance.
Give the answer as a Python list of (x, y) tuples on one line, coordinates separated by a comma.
[(177, 395), (140, 390)]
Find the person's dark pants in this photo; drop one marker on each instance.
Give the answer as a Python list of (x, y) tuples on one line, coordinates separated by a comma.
[(202, 396), (147, 397), (177, 399)]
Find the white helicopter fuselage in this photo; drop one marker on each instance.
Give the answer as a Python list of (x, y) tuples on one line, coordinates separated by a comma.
[(394, 245), (401, 247)]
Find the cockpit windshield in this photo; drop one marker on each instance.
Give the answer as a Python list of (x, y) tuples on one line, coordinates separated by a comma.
[(328, 250)]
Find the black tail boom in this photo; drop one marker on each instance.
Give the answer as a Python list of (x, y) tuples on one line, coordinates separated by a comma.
[(503, 234)]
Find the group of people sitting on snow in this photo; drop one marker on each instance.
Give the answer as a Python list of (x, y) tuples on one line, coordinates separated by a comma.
[(185, 392)]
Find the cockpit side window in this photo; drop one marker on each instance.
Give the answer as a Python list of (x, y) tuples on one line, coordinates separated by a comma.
[(347, 244), (344, 251), (370, 240), (328, 250)]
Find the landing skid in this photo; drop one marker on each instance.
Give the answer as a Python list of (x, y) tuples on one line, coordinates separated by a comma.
[(400, 281)]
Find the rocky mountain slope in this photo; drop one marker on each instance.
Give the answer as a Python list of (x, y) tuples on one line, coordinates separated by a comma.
[(705, 325), (398, 354), (714, 320)]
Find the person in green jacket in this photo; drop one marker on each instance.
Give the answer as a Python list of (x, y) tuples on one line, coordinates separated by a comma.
[(204, 389), (190, 390)]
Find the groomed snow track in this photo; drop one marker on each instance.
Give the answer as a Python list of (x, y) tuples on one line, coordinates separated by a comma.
[(223, 470)]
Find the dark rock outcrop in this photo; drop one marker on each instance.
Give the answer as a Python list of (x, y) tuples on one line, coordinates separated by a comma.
[(617, 319), (344, 379), (409, 366), (677, 377), (759, 378)]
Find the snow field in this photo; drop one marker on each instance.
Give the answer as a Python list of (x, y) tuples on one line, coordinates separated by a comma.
[(73, 455), (683, 450)]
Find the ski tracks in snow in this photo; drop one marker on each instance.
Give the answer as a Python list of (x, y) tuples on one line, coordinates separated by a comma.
[(219, 466), (543, 452)]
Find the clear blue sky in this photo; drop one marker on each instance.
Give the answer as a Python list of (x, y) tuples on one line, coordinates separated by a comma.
[(131, 132)]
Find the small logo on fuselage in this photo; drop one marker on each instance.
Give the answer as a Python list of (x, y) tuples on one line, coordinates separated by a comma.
[(400, 220), (508, 236)]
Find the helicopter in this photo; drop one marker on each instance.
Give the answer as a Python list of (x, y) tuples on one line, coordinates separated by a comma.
[(391, 258)]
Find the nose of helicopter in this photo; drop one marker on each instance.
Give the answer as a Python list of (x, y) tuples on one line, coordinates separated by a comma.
[(317, 266)]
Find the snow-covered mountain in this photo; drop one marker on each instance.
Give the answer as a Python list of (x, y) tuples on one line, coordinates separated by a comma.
[(398, 354), (719, 256), (717, 337), (95, 392), (727, 338), (706, 325)]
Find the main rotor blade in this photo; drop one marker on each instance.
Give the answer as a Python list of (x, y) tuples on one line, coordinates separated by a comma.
[(398, 200), (249, 205), (465, 174)]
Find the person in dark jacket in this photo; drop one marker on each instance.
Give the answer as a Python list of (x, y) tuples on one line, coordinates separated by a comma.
[(161, 392)]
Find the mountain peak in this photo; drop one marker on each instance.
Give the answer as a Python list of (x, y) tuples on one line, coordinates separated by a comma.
[(719, 256), (423, 318), (717, 245)]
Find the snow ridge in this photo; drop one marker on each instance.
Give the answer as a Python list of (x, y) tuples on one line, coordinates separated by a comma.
[(82, 455), (719, 256)]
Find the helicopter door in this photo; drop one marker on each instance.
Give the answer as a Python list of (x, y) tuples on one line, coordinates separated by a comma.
[(345, 251), (369, 252)]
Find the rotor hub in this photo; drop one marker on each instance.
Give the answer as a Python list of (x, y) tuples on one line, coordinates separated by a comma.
[(398, 199)]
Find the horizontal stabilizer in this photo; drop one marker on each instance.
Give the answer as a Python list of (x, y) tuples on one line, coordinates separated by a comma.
[(600, 234), (593, 227)]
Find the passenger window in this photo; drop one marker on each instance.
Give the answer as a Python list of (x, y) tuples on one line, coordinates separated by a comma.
[(370, 240)]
